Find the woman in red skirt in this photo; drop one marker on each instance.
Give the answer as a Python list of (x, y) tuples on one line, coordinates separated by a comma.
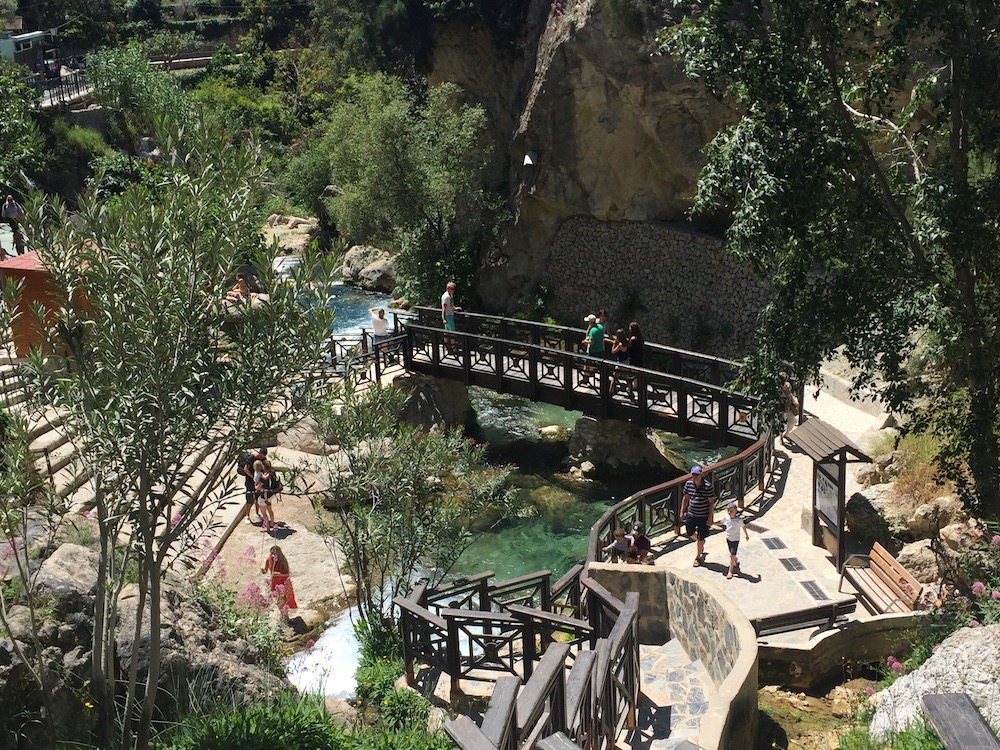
[(281, 581)]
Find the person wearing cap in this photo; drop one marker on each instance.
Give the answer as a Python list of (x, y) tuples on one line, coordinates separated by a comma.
[(698, 509), (639, 545), (732, 523), (594, 340)]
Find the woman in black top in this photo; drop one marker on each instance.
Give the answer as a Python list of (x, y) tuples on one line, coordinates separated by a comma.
[(635, 344)]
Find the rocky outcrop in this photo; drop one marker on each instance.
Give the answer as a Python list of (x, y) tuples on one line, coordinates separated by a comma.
[(304, 436), (966, 662), (293, 233), (610, 447), (880, 512), (613, 137), (434, 402), (370, 268), (190, 647)]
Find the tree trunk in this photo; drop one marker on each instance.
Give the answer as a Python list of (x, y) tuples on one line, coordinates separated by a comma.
[(153, 675), (984, 453)]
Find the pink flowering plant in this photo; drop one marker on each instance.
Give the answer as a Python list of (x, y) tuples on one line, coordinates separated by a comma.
[(242, 613)]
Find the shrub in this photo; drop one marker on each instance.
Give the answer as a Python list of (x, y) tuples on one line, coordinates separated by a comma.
[(402, 709), (290, 723)]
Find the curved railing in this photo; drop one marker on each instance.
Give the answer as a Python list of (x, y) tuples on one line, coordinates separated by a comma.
[(735, 479)]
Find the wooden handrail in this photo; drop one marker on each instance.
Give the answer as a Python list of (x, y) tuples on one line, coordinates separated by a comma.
[(657, 491), (667, 377), (434, 314)]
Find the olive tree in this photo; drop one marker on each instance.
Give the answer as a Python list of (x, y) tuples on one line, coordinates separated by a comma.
[(408, 503), (159, 392)]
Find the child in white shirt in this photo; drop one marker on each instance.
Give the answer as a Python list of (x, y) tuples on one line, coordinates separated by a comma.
[(733, 524)]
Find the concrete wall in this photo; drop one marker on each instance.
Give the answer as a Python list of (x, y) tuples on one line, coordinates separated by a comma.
[(709, 627), (832, 654), (681, 287)]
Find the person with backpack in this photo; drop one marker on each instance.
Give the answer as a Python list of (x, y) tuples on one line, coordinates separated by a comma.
[(245, 469)]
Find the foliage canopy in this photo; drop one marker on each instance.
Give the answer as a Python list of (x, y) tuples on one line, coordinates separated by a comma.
[(861, 176), (407, 176)]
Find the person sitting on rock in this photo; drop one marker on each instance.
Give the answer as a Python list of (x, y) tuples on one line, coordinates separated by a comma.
[(240, 291)]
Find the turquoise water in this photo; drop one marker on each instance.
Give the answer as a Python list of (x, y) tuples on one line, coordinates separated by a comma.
[(554, 537), (351, 306)]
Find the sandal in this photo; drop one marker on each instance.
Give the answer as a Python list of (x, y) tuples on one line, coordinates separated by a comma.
[(696, 563), (729, 576)]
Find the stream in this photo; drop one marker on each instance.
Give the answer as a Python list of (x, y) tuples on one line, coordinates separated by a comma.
[(553, 537)]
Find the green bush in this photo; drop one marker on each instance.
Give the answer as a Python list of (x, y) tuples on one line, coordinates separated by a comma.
[(290, 723), (245, 109), (404, 709), (380, 662)]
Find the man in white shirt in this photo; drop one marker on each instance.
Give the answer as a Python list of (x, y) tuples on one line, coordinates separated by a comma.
[(380, 326)]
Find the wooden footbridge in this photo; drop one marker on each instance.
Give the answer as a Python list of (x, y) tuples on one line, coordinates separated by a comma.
[(573, 644)]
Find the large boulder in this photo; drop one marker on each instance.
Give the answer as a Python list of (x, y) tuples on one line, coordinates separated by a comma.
[(919, 558), (370, 268), (617, 448), (304, 437), (966, 662), (69, 575), (434, 402), (880, 512), (293, 233)]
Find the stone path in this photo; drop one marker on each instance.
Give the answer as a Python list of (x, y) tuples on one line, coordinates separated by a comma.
[(779, 558), (675, 690), (675, 693)]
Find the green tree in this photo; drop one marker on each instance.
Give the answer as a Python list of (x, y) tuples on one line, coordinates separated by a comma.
[(407, 177), (163, 400), (409, 500), (169, 45), (23, 144), (861, 177)]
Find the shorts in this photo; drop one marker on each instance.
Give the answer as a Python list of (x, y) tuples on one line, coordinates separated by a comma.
[(263, 501), (697, 526), (449, 322), (379, 339), (733, 546)]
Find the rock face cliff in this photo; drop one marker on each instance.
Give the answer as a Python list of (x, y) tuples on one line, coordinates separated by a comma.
[(616, 136)]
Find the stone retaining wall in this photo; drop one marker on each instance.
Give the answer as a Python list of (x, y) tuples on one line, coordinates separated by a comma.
[(681, 287), (710, 628), (831, 654)]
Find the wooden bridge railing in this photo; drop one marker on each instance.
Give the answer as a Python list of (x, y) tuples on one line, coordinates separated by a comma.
[(740, 478), (472, 627), (589, 700), (657, 357), (595, 386)]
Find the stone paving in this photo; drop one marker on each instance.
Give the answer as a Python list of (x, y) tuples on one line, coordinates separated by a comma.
[(675, 689), (675, 693), (779, 531)]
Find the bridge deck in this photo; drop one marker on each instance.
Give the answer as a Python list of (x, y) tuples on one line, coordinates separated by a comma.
[(597, 387)]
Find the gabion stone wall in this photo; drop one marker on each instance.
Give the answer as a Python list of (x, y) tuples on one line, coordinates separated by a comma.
[(680, 286)]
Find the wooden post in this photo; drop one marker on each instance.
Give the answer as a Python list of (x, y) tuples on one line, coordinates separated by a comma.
[(454, 656)]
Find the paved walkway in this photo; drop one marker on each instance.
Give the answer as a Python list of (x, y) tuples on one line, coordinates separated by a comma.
[(780, 569), (675, 694)]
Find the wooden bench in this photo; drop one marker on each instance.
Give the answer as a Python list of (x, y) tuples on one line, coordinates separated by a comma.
[(823, 616), (883, 584), (958, 723)]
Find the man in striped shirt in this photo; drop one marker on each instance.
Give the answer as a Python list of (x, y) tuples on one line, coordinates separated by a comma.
[(698, 509)]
